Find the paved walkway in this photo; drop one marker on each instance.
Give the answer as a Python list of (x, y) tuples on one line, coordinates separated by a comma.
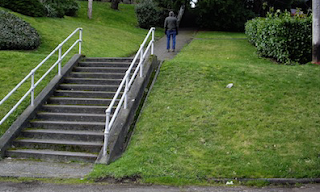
[(184, 37)]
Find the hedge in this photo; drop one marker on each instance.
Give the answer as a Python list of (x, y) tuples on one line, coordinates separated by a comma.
[(31, 8), (16, 34), (280, 36), (149, 14)]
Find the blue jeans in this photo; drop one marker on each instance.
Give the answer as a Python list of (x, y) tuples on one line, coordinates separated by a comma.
[(172, 33)]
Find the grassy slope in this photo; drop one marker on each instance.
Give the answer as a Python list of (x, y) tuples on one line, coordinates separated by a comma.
[(194, 128), (109, 34)]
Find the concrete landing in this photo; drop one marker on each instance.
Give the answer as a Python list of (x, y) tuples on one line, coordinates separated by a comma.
[(39, 169)]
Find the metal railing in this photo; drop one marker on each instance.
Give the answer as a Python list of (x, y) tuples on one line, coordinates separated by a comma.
[(33, 71), (126, 84)]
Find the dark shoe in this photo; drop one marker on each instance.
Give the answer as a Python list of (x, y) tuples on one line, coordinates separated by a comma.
[(173, 50), (168, 50)]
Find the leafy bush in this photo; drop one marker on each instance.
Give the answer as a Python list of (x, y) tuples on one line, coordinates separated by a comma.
[(148, 14), (16, 33), (26, 7), (282, 37), (60, 8)]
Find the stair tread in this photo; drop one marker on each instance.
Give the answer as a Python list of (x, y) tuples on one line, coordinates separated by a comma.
[(97, 73), (81, 98), (56, 131), (64, 142), (72, 114), (87, 85), (52, 152), (78, 78), (69, 122), (76, 106), (105, 62), (78, 91), (101, 67)]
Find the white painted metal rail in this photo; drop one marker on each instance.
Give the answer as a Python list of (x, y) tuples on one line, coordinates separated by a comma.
[(126, 84), (33, 71)]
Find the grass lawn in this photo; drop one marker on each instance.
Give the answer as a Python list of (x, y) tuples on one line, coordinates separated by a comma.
[(109, 34), (193, 128)]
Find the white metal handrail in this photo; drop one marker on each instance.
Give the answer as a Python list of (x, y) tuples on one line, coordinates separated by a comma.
[(126, 83), (33, 71)]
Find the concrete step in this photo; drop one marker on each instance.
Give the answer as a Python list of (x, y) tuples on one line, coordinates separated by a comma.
[(101, 69), (108, 59), (69, 135), (68, 125), (88, 94), (105, 64), (79, 101), (75, 109), (97, 75), (52, 155), (89, 87), (92, 81), (79, 117), (58, 145)]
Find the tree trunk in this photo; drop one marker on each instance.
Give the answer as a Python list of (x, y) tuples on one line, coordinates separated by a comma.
[(316, 32), (90, 9), (115, 4)]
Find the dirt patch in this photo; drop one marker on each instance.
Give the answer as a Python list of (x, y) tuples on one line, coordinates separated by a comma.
[(126, 179)]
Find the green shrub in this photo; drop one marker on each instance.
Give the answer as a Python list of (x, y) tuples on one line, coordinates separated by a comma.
[(16, 34), (282, 37), (31, 8), (60, 8), (148, 14)]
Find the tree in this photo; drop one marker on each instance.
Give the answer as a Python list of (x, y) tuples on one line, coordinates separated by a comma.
[(115, 4), (315, 32), (90, 9)]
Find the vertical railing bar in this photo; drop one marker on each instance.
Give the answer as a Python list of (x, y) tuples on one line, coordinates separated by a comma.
[(152, 46), (80, 38), (32, 87), (106, 133), (126, 89), (59, 57), (141, 61)]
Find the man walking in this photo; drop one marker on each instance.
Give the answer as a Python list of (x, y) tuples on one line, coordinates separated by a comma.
[(171, 30)]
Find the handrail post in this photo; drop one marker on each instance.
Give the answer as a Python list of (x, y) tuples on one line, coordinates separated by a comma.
[(59, 64), (32, 88), (106, 133), (126, 89), (141, 61), (80, 38), (152, 45)]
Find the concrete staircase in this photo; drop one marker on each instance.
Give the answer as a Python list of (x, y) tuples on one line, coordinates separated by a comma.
[(70, 125)]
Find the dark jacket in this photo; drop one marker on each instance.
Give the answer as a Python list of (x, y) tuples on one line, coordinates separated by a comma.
[(171, 22)]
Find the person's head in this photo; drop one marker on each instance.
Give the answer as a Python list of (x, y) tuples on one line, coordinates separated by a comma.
[(171, 14)]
